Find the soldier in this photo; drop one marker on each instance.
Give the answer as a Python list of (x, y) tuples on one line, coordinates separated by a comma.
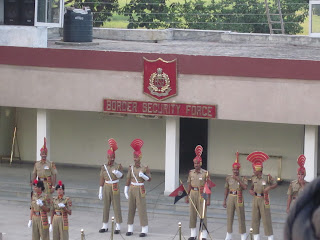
[(40, 206), (137, 175), (297, 186), (45, 171), (61, 206), (196, 182), (261, 185), (109, 188), (233, 191)]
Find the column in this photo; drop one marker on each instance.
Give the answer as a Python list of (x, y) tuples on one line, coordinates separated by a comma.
[(43, 128), (311, 151), (172, 154)]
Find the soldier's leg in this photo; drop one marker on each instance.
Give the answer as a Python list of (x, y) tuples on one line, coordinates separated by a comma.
[(142, 209), (35, 228), (117, 207), (230, 213), (44, 233), (266, 220), (55, 228), (241, 218), (106, 202), (132, 205), (255, 216), (192, 209)]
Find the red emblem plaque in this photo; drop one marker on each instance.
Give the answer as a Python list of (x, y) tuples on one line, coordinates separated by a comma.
[(160, 78)]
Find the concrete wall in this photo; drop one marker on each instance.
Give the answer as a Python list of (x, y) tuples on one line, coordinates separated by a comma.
[(81, 137), (228, 137), (23, 36), (237, 98)]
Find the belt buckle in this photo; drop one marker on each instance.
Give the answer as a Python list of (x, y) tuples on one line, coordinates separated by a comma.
[(58, 213), (234, 192), (196, 189), (259, 195)]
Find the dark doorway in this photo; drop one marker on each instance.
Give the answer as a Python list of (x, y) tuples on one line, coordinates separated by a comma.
[(193, 132)]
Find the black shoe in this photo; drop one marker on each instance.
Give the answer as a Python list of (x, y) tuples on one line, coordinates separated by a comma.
[(116, 231), (129, 233), (192, 238), (102, 230), (142, 235)]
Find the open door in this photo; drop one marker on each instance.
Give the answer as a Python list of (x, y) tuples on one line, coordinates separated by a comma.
[(49, 13)]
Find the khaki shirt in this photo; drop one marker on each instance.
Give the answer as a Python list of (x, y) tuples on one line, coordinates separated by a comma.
[(197, 179), (44, 169), (104, 174), (295, 188), (136, 173), (45, 200), (232, 184), (259, 184), (65, 200)]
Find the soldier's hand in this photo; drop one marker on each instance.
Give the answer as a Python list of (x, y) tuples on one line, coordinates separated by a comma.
[(187, 200), (224, 204), (100, 193), (126, 188), (39, 202), (50, 228), (61, 205), (208, 203), (266, 190), (147, 170), (30, 224)]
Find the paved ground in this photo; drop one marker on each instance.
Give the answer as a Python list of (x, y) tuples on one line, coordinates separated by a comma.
[(163, 224)]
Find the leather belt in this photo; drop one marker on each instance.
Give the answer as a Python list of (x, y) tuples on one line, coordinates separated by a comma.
[(42, 178), (36, 213), (58, 213), (111, 182), (136, 184), (233, 192), (259, 194), (195, 188)]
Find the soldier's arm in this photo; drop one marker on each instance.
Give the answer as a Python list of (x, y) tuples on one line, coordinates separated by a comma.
[(273, 184), (34, 173), (251, 190), (128, 177), (289, 203), (121, 170), (148, 173), (243, 184), (67, 208), (226, 193), (188, 192)]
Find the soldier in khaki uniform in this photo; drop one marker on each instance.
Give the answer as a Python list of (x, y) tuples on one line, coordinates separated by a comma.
[(40, 206), (297, 186), (261, 185), (137, 175), (61, 208), (233, 192), (45, 171), (109, 188), (196, 182)]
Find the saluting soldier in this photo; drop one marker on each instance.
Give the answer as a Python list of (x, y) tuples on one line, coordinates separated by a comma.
[(261, 185), (61, 206), (40, 206), (297, 186), (45, 170), (234, 186), (109, 188), (137, 175), (197, 179)]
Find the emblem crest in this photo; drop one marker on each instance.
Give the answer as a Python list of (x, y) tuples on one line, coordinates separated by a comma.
[(160, 78)]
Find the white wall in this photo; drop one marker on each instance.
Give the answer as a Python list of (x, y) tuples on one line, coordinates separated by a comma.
[(23, 36), (243, 99), (228, 137), (81, 137)]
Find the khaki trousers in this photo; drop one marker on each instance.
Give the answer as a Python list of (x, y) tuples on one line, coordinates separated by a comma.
[(137, 201), (57, 229), (232, 206), (198, 203), (260, 211), (37, 229), (110, 198)]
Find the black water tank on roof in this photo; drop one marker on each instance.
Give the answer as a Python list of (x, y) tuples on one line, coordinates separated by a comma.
[(77, 26)]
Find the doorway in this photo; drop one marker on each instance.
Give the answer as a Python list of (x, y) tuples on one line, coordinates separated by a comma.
[(193, 132)]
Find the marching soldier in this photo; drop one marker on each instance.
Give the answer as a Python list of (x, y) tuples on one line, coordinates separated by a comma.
[(40, 206), (61, 206), (45, 170), (137, 175), (109, 188), (196, 183), (297, 186), (261, 185), (233, 192)]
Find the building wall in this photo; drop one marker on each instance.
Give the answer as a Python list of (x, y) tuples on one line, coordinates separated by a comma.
[(279, 140), (237, 98), (81, 138)]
